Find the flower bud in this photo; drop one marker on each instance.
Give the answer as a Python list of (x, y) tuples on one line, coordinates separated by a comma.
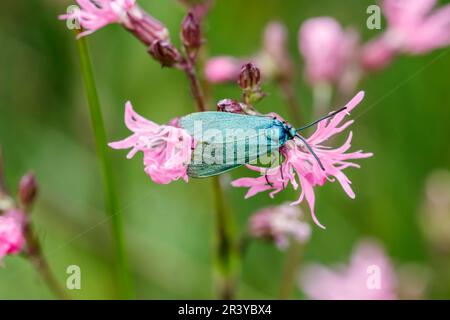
[(191, 34), (230, 105), (249, 77), (27, 189), (145, 27), (165, 53)]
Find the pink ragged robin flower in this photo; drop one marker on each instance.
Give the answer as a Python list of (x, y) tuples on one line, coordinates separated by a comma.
[(12, 239), (414, 27), (95, 14), (280, 224), (222, 69), (301, 169), (326, 48), (369, 276), (167, 148)]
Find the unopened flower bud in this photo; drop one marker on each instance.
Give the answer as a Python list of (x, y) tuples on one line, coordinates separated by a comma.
[(27, 189), (145, 27), (249, 77), (191, 34), (230, 105), (165, 53)]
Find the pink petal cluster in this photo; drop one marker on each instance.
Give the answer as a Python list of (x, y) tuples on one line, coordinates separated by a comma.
[(413, 27), (368, 276), (12, 239), (222, 69), (326, 49), (300, 169), (95, 14), (167, 149), (280, 224)]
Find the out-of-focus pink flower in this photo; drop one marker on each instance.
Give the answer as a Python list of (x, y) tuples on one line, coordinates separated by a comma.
[(326, 49), (377, 54), (95, 14), (12, 237), (413, 28), (279, 224), (300, 167), (222, 69), (275, 45), (167, 149), (368, 276)]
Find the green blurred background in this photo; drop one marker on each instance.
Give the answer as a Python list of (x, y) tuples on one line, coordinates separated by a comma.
[(44, 126)]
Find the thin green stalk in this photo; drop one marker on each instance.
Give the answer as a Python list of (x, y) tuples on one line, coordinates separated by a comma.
[(110, 191), (290, 271), (226, 258), (226, 251)]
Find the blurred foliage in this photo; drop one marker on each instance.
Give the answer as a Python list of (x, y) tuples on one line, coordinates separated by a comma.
[(44, 126)]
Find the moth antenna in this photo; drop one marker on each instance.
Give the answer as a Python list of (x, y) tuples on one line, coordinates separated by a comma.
[(311, 151), (321, 119)]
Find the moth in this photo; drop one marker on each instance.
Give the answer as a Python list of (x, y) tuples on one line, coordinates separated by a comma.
[(225, 141)]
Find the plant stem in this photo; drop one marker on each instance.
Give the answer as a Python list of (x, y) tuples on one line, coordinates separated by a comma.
[(290, 270), (287, 90), (226, 259), (226, 256), (194, 82), (36, 257), (110, 191)]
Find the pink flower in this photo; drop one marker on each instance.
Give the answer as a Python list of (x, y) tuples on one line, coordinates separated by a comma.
[(222, 69), (95, 14), (413, 27), (326, 49), (12, 239), (377, 54), (368, 276), (167, 149), (275, 60), (280, 223), (300, 168)]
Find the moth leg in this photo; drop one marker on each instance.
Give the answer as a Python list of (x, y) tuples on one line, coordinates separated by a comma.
[(282, 176), (267, 180)]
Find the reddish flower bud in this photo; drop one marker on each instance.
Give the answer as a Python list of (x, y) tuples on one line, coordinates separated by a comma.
[(165, 53), (249, 77), (191, 34), (230, 105), (145, 27), (27, 189)]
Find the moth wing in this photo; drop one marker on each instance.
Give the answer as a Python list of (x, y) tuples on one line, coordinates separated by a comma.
[(224, 121), (232, 155), (254, 141), (205, 171)]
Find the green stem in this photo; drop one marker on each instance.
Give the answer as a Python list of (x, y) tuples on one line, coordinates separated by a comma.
[(226, 258), (37, 258), (110, 191), (226, 253), (290, 270)]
